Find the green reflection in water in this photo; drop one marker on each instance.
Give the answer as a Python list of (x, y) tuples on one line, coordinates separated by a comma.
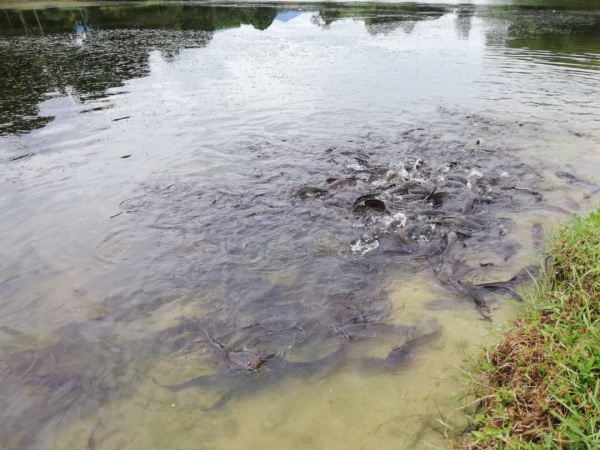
[(149, 17), (562, 38), (43, 53), (43, 50)]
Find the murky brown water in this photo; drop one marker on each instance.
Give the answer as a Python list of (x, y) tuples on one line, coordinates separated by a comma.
[(152, 200)]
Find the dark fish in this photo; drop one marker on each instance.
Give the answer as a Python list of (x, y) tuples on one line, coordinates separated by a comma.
[(375, 204), (404, 235), (468, 204), (462, 222), (420, 191), (501, 288), (431, 249), (233, 359), (372, 330), (437, 198), (219, 379), (16, 158), (526, 274), (309, 191), (539, 197), (404, 353), (459, 178), (451, 240), (377, 178), (570, 178), (360, 200), (249, 360), (275, 370), (475, 293), (419, 335), (342, 182), (430, 212), (507, 287), (92, 443), (454, 184), (367, 203), (539, 236), (411, 197), (571, 203), (403, 188)]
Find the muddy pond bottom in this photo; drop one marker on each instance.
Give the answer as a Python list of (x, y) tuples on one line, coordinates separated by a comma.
[(264, 226)]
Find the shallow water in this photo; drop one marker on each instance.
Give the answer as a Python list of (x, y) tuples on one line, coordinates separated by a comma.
[(151, 156)]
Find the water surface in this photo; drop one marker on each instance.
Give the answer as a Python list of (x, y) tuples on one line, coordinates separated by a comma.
[(152, 156)]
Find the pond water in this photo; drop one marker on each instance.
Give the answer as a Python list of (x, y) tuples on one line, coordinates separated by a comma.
[(313, 211)]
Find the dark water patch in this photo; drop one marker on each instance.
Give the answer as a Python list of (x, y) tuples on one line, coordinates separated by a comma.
[(281, 273), (443, 204), (65, 380)]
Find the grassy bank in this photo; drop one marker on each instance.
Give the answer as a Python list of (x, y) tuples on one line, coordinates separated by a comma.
[(540, 385)]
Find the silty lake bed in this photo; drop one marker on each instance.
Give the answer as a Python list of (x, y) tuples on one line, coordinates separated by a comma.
[(252, 226)]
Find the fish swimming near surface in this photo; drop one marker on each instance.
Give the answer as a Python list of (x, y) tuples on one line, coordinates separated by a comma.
[(274, 370)]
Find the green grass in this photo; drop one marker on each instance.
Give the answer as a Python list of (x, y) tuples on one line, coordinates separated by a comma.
[(539, 387)]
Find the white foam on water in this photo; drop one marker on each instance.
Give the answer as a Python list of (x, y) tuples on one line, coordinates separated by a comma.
[(363, 247), (475, 174)]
